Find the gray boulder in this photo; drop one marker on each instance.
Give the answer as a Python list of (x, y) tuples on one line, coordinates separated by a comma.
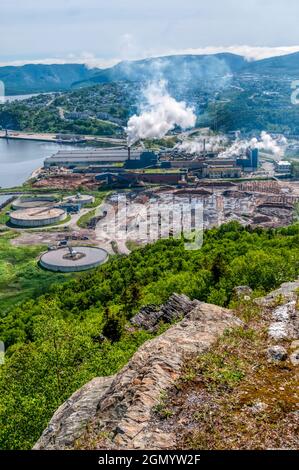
[(176, 307), (294, 358), (277, 353), (241, 292)]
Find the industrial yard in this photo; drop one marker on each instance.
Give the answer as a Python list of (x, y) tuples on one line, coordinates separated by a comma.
[(225, 178)]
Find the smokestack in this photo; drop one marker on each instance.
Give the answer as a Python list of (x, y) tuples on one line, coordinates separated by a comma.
[(129, 153), (204, 147)]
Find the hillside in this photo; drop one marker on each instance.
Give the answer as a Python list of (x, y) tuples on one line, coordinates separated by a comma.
[(284, 66), (81, 329), (42, 78), (171, 68), (239, 103), (218, 379), (227, 93), (184, 68)]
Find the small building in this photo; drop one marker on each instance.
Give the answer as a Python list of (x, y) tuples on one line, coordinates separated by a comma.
[(221, 172), (283, 166), (189, 164)]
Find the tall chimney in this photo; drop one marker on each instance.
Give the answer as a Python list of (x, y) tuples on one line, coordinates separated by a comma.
[(204, 147), (129, 153)]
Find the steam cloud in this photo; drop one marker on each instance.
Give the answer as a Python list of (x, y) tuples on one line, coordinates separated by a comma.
[(213, 144), (160, 114), (265, 142)]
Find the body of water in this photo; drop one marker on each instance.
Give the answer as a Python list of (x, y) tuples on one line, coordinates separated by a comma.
[(10, 98), (3, 199), (19, 158)]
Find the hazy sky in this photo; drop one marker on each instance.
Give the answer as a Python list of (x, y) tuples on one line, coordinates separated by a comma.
[(103, 31)]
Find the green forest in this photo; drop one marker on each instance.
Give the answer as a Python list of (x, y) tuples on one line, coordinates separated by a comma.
[(79, 328), (250, 103)]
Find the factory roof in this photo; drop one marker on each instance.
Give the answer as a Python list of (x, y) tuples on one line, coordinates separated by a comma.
[(94, 155)]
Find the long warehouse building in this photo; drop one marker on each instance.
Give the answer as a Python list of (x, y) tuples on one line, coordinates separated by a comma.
[(84, 157)]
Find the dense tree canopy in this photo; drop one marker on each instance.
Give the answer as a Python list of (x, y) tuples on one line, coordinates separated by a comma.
[(79, 329)]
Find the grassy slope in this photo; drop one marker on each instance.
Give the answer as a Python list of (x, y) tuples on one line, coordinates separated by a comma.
[(20, 276)]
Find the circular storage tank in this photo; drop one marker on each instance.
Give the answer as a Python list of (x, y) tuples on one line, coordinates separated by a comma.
[(37, 217), (80, 258), (28, 202), (82, 199)]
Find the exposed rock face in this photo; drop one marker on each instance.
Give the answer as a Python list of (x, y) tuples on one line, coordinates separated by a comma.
[(282, 304), (176, 307), (121, 408), (242, 292), (69, 421), (286, 322), (286, 290)]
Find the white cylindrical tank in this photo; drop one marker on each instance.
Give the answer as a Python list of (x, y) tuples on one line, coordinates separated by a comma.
[(37, 217), (79, 258)]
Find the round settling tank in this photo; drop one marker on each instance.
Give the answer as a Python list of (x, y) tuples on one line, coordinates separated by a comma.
[(79, 258), (37, 217), (28, 202), (82, 199)]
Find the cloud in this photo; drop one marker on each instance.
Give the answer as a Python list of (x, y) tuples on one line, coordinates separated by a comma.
[(130, 53), (249, 52), (85, 58)]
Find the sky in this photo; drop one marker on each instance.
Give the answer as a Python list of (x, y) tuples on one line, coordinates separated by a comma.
[(103, 32)]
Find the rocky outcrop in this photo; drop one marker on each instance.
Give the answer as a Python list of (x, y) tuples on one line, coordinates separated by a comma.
[(284, 321), (294, 358), (287, 291), (285, 324), (176, 307), (120, 408), (71, 418), (242, 292), (116, 412), (277, 353)]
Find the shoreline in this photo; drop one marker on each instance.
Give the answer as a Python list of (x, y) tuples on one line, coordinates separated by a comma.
[(52, 138)]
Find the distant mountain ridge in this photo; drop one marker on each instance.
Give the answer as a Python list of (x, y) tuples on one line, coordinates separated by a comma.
[(40, 78), (46, 78), (171, 68), (281, 65)]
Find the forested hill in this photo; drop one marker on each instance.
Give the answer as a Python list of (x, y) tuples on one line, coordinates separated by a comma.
[(79, 329), (41, 78), (226, 92), (188, 69)]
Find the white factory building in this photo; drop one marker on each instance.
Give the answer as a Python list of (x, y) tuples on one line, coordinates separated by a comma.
[(283, 166)]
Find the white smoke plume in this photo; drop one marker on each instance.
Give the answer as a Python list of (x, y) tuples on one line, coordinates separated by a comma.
[(160, 114), (194, 146), (264, 142), (267, 143)]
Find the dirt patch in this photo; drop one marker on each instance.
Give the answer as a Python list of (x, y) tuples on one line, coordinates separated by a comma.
[(52, 238)]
